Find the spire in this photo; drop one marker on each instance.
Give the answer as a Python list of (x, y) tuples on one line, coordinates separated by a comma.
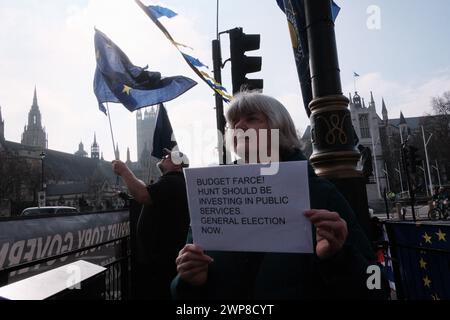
[(350, 97), (402, 119), (35, 102), (384, 111), (95, 145), (363, 103), (95, 150), (34, 133), (128, 155), (117, 152), (372, 102), (102, 157)]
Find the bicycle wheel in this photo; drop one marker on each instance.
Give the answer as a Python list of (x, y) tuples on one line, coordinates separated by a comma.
[(434, 214)]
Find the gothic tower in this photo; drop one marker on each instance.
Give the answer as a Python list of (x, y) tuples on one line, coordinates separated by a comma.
[(81, 152), (34, 134), (95, 149), (145, 125)]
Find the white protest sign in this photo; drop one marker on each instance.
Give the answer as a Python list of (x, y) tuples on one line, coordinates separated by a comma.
[(235, 208)]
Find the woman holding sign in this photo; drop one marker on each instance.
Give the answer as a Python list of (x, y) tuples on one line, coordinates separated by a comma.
[(337, 268)]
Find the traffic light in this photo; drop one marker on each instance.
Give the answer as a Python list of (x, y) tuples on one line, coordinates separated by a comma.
[(413, 159), (241, 64)]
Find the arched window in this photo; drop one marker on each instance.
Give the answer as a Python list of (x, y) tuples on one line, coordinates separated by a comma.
[(364, 126)]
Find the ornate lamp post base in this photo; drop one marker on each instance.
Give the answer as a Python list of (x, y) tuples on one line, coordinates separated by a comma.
[(334, 153)]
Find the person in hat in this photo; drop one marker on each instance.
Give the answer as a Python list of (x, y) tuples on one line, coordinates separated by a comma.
[(162, 225)]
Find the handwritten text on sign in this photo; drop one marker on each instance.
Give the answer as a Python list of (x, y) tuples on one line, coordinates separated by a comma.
[(234, 208)]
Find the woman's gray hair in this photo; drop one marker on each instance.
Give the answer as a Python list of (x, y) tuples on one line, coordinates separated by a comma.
[(278, 117)]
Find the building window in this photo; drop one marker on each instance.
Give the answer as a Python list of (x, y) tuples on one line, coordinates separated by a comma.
[(364, 126)]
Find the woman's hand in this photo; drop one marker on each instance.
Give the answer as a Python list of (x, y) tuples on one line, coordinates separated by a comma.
[(331, 232), (192, 265)]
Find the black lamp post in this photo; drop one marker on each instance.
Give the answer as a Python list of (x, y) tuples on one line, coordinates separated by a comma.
[(334, 154), (42, 155)]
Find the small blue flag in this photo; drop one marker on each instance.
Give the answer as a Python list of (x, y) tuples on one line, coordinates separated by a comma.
[(118, 80), (159, 12), (163, 136), (335, 10), (194, 61)]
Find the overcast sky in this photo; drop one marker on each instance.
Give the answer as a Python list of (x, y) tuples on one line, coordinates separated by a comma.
[(49, 43)]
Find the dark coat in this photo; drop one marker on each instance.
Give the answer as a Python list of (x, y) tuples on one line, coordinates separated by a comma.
[(242, 275)]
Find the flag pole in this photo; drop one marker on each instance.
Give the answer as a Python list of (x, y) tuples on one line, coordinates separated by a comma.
[(112, 134), (112, 137), (217, 20)]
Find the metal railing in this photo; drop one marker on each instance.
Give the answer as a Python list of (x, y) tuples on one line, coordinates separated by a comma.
[(117, 284)]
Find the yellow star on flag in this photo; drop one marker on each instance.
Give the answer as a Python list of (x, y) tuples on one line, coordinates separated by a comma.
[(427, 282), (126, 89), (423, 264), (441, 235), (427, 238)]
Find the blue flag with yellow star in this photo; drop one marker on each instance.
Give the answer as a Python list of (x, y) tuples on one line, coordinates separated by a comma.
[(117, 80), (422, 253)]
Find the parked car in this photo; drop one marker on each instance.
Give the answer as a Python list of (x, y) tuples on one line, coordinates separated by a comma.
[(39, 211)]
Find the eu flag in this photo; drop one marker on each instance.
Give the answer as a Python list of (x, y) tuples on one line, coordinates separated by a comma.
[(118, 80), (163, 135), (422, 255), (295, 13)]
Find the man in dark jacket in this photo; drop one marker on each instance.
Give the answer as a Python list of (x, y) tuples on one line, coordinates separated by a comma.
[(336, 270), (163, 223)]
